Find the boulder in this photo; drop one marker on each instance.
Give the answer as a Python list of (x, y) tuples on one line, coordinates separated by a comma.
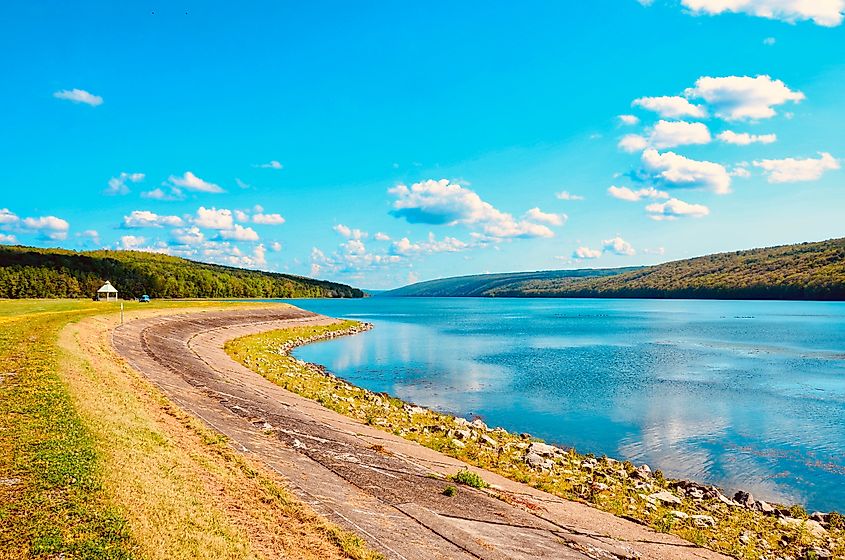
[(665, 497), (543, 449), (534, 460), (744, 499), (703, 521)]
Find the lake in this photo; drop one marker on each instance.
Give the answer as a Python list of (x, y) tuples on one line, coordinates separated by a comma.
[(743, 394)]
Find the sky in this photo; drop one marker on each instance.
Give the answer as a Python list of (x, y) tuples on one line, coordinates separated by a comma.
[(382, 143)]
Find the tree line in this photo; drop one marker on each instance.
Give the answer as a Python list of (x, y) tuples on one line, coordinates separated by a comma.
[(29, 272)]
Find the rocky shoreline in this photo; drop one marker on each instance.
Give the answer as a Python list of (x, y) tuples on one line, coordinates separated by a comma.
[(739, 525)]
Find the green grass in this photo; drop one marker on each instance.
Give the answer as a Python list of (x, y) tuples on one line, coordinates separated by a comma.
[(469, 478), (53, 502)]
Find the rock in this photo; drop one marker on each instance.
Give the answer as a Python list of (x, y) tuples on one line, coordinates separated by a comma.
[(534, 460), (765, 507), (744, 499), (542, 449), (643, 472), (665, 497), (813, 527), (412, 410), (703, 520), (461, 421), (479, 425), (822, 553), (489, 441), (678, 514), (819, 516), (9, 481), (458, 443), (600, 487), (463, 434), (725, 500), (299, 445)]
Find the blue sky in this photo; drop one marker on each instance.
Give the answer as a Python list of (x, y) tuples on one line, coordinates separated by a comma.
[(378, 143)]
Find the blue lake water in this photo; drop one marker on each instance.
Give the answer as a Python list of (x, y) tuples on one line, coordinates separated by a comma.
[(743, 394)]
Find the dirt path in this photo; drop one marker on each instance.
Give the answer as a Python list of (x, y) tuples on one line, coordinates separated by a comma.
[(372, 482)]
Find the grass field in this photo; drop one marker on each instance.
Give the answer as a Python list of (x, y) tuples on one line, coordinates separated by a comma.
[(96, 463)]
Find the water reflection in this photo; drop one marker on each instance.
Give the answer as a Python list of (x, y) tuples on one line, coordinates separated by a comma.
[(742, 394)]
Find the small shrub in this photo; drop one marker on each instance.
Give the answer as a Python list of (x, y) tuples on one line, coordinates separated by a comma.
[(836, 520), (450, 491), (798, 512), (469, 478)]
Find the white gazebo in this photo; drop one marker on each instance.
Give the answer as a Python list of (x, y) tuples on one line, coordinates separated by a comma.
[(107, 292)]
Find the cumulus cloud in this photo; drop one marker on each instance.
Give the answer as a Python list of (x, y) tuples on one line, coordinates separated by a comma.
[(268, 219), (79, 96), (670, 107), (172, 193), (618, 246), (7, 217), (349, 233), (566, 195), (379, 236), (145, 218), (276, 246), (117, 185), (132, 242), (446, 245), (625, 193), (744, 138), (49, 226), (239, 233), (792, 170), (445, 203), (537, 215), (667, 134), (188, 236), (737, 98), (633, 143), (827, 13), (191, 182), (676, 171), (212, 218), (586, 253), (8, 238), (629, 120), (673, 209)]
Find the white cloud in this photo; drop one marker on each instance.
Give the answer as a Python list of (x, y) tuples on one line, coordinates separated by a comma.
[(633, 143), (213, 218), (145, 218), (79, 96), (740, 170), (629, 120), (239, 233), (827, 13), (273, 164), (189, 236), (792, 170), (671, 107), (49, 226), (92, 233), (349, 232), (268, 219), (191, 182), (242, 184), (379, 236), (673, 209), (586, 253), (625, 193), (445, 203), (8, 238), (743, 97), (433, 245), (132, 241), (668, 134), (566, 195), (159, 194), (7, 217), (769, 41), (241, 216), (117, 185), (537, 215), (276, 246), (677, 171), (744, 138), (618, 246)]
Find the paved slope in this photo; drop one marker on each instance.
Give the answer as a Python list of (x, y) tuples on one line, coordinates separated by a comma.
[(372, 482)]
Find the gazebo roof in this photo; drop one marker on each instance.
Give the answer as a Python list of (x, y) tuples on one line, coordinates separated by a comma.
[(107, 288)]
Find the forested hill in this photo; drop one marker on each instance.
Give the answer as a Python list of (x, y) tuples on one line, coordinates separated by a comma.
[(484, 284), (28, 272), (812, 271)]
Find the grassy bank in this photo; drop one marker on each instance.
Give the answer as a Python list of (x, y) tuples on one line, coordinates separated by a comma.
[(96, 463), (700, 514)]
